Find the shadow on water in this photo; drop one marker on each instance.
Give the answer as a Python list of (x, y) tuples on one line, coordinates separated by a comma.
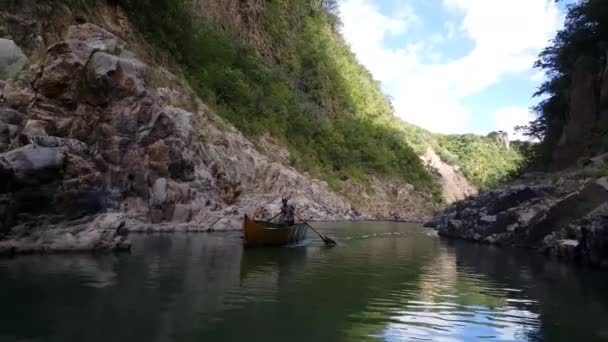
[(384, 281)]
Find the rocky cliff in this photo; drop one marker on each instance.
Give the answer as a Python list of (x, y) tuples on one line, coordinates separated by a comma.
[(563, 212), (97, 140), (586, 125), (84, 132), (564, 215)]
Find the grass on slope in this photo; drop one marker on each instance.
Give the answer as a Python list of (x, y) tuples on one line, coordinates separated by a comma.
[(318, 100), (483, 160), (311, 94)]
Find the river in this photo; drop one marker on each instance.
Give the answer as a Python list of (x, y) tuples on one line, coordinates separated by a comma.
[(383, 282)]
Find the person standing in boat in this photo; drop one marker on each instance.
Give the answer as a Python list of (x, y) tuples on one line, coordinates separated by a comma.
[(288, 212)]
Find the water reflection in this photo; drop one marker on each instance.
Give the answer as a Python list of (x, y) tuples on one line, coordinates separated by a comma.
[(384, 281), (448, 303)]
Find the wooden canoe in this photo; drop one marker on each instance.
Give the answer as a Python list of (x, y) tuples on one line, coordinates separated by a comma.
[(260, 233)]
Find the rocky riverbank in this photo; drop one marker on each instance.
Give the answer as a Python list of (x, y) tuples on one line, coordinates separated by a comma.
[(89, 144), (97, 141), (564, 215)]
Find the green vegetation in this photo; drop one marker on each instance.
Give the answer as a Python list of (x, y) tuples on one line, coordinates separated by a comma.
[(311, 94), (299, 81), (585, 34), (484, 161)]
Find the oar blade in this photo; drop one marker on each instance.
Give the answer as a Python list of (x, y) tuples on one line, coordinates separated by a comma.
[(328, 241)]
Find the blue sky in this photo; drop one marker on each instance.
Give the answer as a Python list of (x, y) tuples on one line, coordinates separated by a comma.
[(454, 66)]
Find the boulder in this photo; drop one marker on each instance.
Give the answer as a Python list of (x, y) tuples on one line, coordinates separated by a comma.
[(122, 77), (593, 240), (33, 164), (18, 95), (8, 133), (101, 233), (566, 226), (35, 128), (11, 116), (513, 197), (86, 38), (66, 60), (12, 59)]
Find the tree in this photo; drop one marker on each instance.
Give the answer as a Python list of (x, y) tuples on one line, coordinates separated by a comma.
[(584, 34)]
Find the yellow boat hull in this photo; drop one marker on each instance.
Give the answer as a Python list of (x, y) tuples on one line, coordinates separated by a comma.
[(259, 233)]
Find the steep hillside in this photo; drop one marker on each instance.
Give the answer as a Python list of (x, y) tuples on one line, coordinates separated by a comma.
[(282, 67), (563, 212), (137, 115), (572, 115), (485, 161)]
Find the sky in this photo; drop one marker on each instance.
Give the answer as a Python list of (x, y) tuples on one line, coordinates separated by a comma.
[(454, 66)]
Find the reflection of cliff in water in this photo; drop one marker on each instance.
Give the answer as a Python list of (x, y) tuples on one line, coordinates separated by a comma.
[(125, 297), (542, 281), (392, 280), (280, 262)]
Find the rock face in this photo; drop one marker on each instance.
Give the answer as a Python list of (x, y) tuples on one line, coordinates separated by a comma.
[(501, 137), (565, 218), (12, 59), (89, 148), (455, 185), (588, 115)]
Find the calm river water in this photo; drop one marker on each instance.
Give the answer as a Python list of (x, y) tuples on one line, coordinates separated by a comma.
[(385, 281)]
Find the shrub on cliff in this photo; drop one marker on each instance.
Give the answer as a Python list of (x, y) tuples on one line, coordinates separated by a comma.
[(313, 95), (585, 34)]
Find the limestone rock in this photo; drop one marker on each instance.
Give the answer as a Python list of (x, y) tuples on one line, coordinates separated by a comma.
[(12, 59), (501, 137), (66, 60), (98, 137), (11, 116), (101, 233), (588, 105), (454, 184), (121, 76), (33, 164), (18, 95), (560, 220), (35, 128)]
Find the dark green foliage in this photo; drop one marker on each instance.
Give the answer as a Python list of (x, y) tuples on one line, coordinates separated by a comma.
[(312, 94), (484, 161), (165, 23), (585, 34)]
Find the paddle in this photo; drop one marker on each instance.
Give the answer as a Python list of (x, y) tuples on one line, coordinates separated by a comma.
[(325, 239), (272, 218)]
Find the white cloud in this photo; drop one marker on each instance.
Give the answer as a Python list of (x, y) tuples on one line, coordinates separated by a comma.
[(507, 118), (506, 35), (365, 28), (538, 77)]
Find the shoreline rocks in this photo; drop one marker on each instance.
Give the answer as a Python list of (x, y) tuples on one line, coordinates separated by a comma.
[(88, 141), (566, 219), (103, 233)]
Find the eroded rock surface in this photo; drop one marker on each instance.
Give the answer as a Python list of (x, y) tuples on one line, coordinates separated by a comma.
[(84, 135), (565, 218)]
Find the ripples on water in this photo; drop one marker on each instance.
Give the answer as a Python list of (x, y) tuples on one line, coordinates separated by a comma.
[(391, 282)]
